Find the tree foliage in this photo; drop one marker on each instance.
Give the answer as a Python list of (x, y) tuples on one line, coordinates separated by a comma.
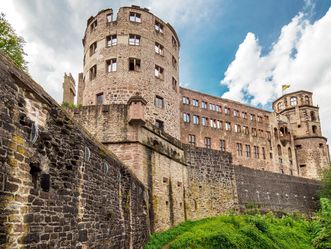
[(12, 44), (326, 184)]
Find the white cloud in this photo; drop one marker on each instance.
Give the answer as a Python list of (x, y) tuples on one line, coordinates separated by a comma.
[(301, 56)]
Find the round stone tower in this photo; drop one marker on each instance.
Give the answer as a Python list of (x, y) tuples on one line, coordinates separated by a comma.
[(312, 152), (135, 53)]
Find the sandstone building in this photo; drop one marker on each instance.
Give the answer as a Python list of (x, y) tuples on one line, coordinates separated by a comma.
[(142, 154)]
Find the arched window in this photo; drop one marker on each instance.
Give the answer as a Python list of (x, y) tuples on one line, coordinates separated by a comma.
[(307, 100), (279, 148), (293, 101), (281, 131), (312, 115), (280, 106), (275, 132), (314, 128)]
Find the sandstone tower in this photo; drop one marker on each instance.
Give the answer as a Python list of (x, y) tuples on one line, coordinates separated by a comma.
[(69, 91), (312, 152), (135, 53)]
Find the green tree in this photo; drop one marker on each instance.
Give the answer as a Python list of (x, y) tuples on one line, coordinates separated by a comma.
[(326, 184), (12, 44)]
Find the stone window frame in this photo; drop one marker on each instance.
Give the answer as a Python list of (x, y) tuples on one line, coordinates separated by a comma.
[(159, 72), (244, 115), (134, 40), (204, 121), (159, 102), (207, 142), (185, 100), (246, 130), (111, 40), (239, 148), (159, 49), (237, 128), (263, 153), (93, 48), (94, 25), (235, 113), (111, 65), (135, 17), (222, 145), (218, 108), (93, 72), (195, 119), (174, 84), (228, 126), (227, 110), (159, 124), (110, 17), (100, 97), (212, 123), (212, 107), (186, 117), (256, 152), (280, 106), (191, 139), (219, 124), (293, 101), (195, 102), (204, 104), (159, 28), (134, 64), (248, 150)]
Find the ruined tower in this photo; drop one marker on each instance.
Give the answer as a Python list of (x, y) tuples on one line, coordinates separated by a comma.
[(69, 91), (312, 153), (134, 53)]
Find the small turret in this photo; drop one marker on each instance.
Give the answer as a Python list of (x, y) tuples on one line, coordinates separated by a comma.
[(69, 90), (136, 110)]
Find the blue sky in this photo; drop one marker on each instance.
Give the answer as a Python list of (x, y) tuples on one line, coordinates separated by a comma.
[(242, 50)]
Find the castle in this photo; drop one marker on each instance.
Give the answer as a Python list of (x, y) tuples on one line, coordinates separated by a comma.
[(143, 154)]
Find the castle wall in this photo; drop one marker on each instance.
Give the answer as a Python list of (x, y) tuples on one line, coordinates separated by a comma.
[(211, 183), (59, 188), (278, 192)]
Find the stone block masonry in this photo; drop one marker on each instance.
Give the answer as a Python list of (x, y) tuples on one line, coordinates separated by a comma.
[(58, 187)]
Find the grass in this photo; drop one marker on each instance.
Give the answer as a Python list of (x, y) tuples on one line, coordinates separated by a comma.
[(237, 231)]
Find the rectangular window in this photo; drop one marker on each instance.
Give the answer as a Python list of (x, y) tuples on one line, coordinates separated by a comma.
[(263, 153), (159, 48), (134, 40), (186, 117), (261, 133), (159, 102), (208, 142), (204, 121), (158, 27), (111, 40), (204, 105), (244, 115), (111, 65), (256, 152), (158, 72), (219, 124), (159, 124), (94, 25), (93, 72), (186, 100), (222, 145), (248, 150), (195, 119), (110, 17), (174, 42), (227, 126), (213, 123), (218, 108), (212, 107), (254, 133), (93, 48), (134, 64), (191, 139), (259, 119), (174, 62), (195, 102), (227, 111), (135, 17), (252, 117), (174, 84), (237, 128), (100, 98), (235, 113), (245, 130), (239, 149)]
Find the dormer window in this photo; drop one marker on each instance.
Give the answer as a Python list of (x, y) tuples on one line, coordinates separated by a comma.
[(134, 40), (135, 17), (293, 101), (158, 27)]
